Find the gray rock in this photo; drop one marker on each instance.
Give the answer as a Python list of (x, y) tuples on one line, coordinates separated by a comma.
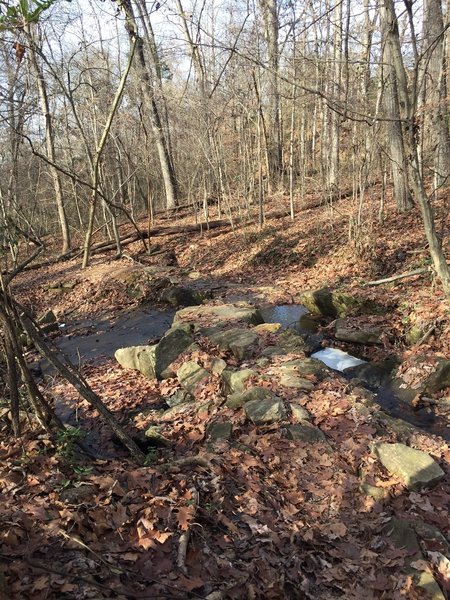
[(182, 296), (191, 374), (305, 432), (304, 366), (299, 413), (220, 314), (140, 358), (154, 435), (273, 351), (262, 412), (416, 469), (174, 343), (356, 336), (371, 490), (243, 343), (219, 431), (218, 366), (48, 318), (400, 428), (234, 381), (179, 397), (238, 399), (293, 341), (293, 381), (335, 304)]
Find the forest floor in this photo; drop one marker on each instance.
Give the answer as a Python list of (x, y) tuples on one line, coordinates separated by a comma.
[(262, 516)]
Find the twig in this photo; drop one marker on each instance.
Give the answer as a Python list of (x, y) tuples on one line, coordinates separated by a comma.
[(397, 277), (184, 538)]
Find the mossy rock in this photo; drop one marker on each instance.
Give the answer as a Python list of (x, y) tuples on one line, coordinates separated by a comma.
[(335, 304)]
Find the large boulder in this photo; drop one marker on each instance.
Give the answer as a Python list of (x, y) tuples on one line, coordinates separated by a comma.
[(174, 343), (217, 315), (238, 399), (373, 374), (334, 304), (415, 469), (140, 358), (305, 432), (178, 295)]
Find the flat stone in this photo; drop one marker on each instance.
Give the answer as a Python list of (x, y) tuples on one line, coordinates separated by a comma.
[(140, 358), (243, 343), (234, 381), (219, 314), (220, 431), (373, 374), (178, 295), (238, 399), (304, 366), (262, 412), (298, 383), (357, 336), (273, 351), (305, 432), (191, 374), (179, 397), (299, 413), (402, 535), (416, 469), (268, 328), (400, 428)]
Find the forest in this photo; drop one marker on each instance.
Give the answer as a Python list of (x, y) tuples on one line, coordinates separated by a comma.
[(224, 303)]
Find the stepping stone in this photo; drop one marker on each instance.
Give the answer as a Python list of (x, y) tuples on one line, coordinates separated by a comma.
[(416, 469), (305, 432), (263, 412), (191, 374)]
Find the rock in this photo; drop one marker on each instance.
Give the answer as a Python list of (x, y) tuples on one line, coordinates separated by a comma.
[(335, 304), (263, 362), (305, 432), (400, 428), (191, 374), (429, 383), (181, 296), (141, 358), (268, 328), (402, 535), (174, 343), (416, 469), (292, 341), (238, 399), (273, 351), (373, 374), (218, 366), (304, 366), (154, 435), (427, 582), (47, 318), (356, 336), (243, 343), (179, 397), (262, 412), (293, 381), (77, 495), (219, 431), (299, 413), (234, 381), (371, 490), (220, 314)]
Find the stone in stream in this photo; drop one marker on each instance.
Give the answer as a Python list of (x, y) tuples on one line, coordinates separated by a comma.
[(373, 374), (191, 374), (291, 341), (182, 296), (219, 315), (416, 469), (268, 328), (238, 399), (303, 367), (356, 336), (234, 381), (334, 304), (436, 377), (243, 343), (266, 411)]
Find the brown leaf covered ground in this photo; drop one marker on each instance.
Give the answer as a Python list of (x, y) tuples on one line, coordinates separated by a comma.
[(264, 517)]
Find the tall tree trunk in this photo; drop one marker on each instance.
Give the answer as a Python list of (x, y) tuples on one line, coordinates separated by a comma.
[(147, 87), (435, 108), (49, 137), (335, 118), (435, 248), (395, 133)]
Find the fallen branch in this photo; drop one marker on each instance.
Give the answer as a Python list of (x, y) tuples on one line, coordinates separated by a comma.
[(397, 277)]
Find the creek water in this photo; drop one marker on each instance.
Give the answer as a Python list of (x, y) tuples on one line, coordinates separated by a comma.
[(94, 339)]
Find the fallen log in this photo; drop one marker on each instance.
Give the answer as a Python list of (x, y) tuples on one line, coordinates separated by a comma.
[(400, 276)]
